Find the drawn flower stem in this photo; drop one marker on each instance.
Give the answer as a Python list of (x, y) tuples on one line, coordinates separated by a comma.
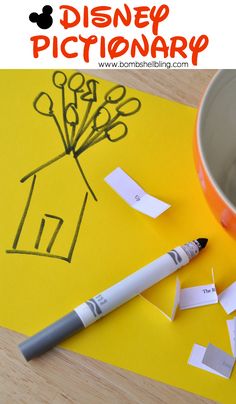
[(81, 131), (93, 136), (73, 133), (60, 132), (86, 126), (64, 116)]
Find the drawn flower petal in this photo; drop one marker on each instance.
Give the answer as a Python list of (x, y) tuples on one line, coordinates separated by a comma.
[(91, 94), (76, 82), (72, 117), (59, 79), (115, 94), (101, 118), (117, 131), (129, 107), (43, 104)]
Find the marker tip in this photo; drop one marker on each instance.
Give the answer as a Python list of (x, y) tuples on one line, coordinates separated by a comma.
[(203, 242)]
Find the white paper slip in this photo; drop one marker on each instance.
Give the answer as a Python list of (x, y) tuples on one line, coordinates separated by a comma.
[(198, 296), (134, 195), (218, 360), (227, 298), (175, 305), (231, 328), (196, 358), (176, 302)]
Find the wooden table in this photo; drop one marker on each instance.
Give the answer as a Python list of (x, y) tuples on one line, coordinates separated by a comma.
[(62, 377)]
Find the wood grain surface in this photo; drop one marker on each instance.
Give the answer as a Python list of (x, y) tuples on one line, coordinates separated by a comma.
[(62, 377)]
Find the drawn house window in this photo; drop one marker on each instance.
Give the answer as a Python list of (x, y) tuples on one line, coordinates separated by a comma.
[(43, 229)]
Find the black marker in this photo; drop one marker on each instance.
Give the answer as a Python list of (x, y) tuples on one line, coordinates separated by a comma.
[(107, 301)]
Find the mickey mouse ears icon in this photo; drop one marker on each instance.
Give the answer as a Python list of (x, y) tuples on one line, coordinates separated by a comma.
[(43, 20)]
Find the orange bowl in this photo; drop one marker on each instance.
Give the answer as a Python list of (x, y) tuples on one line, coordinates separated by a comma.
[(215, 147)]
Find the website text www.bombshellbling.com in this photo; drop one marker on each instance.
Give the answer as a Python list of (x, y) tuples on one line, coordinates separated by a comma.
[(154, 64)]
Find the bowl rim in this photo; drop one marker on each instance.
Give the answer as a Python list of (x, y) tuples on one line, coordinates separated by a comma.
[(201, 109)]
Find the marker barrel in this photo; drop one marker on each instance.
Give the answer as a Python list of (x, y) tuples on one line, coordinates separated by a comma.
[(131, 286), (51, 336), (107, 301)]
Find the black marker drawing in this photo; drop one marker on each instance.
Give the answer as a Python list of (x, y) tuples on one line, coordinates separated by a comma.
[(81, 125)]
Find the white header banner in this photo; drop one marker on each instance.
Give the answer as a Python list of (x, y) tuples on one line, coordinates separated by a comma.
[(118, 34)]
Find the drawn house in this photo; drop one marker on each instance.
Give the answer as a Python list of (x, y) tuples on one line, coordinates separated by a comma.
[(52, 215), (58, 191)]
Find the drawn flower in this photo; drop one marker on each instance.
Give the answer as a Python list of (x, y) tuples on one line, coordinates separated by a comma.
[(101, 119), (44, 104), (76, 82), (129, 107), (72, 117), (115, 94), (116, 132), (59, 79), (82, 123)]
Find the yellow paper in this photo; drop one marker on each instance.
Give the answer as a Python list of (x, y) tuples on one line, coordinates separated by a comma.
[(114, 240)]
